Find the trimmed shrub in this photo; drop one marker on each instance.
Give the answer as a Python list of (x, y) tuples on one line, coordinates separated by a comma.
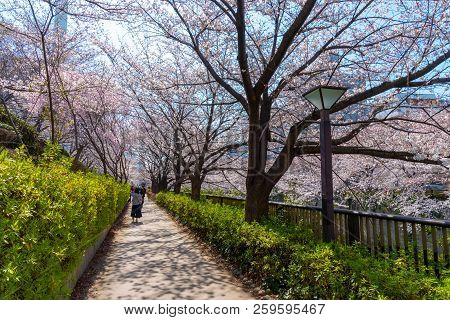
[(48, 216), (290, 263)]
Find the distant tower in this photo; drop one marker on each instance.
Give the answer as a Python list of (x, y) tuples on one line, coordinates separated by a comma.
[(61, 15)]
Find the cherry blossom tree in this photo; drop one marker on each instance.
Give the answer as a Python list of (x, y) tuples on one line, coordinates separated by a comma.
[(187, 64), (60, 78), (193, 119), (264, 54), (32, 21)]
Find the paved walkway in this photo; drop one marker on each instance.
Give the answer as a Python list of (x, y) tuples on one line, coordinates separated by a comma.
[(156, 259)]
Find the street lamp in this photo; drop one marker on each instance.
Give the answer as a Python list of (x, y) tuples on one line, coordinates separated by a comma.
[(324, 98)]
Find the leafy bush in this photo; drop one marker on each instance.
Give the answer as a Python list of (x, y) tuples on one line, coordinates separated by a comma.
[(289, 262), (48, 216), (30, 138)]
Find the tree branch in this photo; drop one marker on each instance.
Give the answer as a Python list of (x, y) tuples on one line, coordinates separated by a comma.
[(285, 43), (385, 154)]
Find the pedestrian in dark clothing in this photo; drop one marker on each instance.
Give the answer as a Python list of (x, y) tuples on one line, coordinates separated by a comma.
[(143, 192), (136, 201)]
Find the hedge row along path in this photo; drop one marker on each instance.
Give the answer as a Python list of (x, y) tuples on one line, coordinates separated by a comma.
[(156, 259)]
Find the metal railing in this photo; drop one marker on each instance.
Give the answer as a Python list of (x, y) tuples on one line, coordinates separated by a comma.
[(382, 233)]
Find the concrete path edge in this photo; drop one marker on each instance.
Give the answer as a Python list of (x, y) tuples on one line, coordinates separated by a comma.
[(90, 252)]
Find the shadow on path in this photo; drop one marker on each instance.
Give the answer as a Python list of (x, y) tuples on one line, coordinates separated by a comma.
[(155, 259)]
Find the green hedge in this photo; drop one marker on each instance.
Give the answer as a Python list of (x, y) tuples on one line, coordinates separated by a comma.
[(48, 216), (290, 263)]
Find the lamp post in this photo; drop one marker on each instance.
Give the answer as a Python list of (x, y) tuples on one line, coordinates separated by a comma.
[(324, 98)]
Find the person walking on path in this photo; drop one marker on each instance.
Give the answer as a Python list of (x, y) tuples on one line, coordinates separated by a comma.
[(143, 192), (136, 202)]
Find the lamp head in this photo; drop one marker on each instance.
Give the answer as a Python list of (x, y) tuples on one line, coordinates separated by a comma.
[(324, 97)]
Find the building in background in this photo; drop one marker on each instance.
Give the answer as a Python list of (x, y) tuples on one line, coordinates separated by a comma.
[(406, 103)]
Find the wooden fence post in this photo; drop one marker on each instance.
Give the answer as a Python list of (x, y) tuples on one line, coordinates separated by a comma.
[(353, 228)]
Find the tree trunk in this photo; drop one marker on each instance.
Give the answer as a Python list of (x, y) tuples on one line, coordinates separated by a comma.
[(196, 186), (105, 169), (155, 186), (177, 186), (162, 184), (257, 199), (159, 184), (177, 165), (49, 91), (258, 186)]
